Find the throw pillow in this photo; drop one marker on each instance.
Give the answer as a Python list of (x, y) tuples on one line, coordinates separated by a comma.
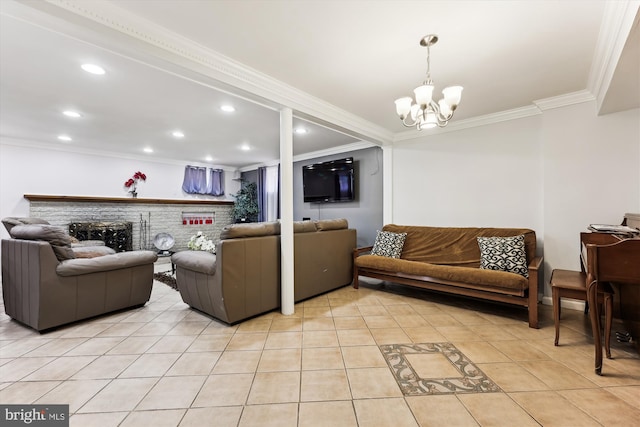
[(389, 244), (503, 254)]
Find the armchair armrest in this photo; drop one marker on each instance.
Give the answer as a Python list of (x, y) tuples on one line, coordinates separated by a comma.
[(78, 266)]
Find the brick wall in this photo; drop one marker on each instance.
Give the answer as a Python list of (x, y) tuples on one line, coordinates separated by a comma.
[(155, 218)]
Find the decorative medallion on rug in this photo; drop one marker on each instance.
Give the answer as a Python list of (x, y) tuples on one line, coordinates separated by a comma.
[(435, 368)]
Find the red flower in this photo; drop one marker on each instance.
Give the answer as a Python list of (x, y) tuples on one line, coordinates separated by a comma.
[(129, 183)]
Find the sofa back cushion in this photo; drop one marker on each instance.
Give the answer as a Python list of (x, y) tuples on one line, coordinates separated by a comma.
[(332, 224), (56, 236), (11, 221), (454, 245), (304, 227), (252, 229)]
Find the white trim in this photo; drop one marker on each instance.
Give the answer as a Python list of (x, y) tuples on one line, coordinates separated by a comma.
[(570, 304), (516, 113), (16, 142), (360, 145), (564, 100), (616, 25)]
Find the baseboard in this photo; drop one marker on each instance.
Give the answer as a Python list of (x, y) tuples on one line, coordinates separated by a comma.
[(571, 304)]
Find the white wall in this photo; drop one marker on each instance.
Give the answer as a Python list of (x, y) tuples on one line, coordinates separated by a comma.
[(489, 176), (555, 173), (591, 176), (31, 170)]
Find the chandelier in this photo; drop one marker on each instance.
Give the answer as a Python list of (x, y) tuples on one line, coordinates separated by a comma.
[(425, 113)]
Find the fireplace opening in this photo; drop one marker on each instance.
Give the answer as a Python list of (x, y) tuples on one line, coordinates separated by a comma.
[(116, 235)]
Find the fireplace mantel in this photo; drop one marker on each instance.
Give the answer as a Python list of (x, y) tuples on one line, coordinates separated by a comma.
[(93, 199)]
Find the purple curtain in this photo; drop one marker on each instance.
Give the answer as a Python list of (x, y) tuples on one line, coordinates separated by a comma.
[(196, 182), (216, 182)]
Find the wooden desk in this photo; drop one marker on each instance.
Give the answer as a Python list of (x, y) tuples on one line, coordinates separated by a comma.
[(607, 258)]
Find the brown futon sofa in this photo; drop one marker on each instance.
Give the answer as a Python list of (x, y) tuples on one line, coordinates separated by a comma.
[(242, 279), (448, 259)]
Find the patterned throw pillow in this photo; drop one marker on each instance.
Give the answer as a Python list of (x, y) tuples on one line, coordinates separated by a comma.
[(504, 254), (389, 244)]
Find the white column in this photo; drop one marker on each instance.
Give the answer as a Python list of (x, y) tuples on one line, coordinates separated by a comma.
[(387, 184), (286, 211)]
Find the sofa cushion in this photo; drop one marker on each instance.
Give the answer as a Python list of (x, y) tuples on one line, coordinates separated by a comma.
[(332, 224), (56, 236), (389, 244), (503, 254), (454, 245), (91, 251), (117, 261), (253, 229), (474, 278), (200, 261), (12, 221), (304, 227)]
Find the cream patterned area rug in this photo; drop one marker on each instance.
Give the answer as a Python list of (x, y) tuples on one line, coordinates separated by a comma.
[(435, 368)]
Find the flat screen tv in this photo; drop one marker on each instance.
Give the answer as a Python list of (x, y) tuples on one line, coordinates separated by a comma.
[(329, 181)]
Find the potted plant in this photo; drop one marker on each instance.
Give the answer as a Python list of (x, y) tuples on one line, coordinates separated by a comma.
[(245, 208)]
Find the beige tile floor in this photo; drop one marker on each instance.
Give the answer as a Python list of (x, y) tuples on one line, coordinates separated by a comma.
[(167, 365)]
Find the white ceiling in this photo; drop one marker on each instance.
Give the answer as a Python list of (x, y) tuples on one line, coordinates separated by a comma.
[(354, 57)]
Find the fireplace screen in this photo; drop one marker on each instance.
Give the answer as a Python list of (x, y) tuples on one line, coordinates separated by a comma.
[(116, 235)]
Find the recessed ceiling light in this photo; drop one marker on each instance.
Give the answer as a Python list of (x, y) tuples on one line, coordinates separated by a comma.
[(93, 69), (73, 114), (208, 158), (64, 137), (301, 131), (147, 150), (228, 108), (245, 147), (177, 134)]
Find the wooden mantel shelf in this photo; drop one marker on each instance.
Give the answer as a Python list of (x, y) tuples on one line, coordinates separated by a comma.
[(92, 199)]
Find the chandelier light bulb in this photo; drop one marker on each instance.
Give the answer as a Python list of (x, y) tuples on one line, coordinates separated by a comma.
[(426, 113)]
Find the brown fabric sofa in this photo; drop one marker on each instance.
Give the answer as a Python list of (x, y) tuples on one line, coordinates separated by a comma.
[(45, 284), (447, 259), (242, 279)]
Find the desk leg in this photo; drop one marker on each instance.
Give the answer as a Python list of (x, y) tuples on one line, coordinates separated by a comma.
[(592, 297)]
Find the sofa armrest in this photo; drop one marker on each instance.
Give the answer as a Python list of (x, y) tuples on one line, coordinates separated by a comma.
[(199, 261), (534, 279), (356, 253), (359, 251), (78, 266)]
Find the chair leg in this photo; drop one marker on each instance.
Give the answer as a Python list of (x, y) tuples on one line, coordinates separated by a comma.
[(555, 295), (608, 315)]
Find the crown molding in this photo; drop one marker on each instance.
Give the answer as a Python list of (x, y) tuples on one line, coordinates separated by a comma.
[(617, 22), (67, 148), (516, 113), (165, 49), (355, 146), (564, 100)]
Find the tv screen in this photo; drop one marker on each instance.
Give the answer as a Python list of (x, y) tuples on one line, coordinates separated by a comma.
[(329, 181)]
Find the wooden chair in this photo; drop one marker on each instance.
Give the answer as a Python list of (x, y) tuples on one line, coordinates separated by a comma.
[(573, 284), (617, 263)]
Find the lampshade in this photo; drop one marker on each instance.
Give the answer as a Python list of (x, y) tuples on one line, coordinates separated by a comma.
[(423, 94), (403, 106), (452, 95)]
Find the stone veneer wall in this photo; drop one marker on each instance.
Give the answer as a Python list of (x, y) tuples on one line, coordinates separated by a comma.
[(160, 218)]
